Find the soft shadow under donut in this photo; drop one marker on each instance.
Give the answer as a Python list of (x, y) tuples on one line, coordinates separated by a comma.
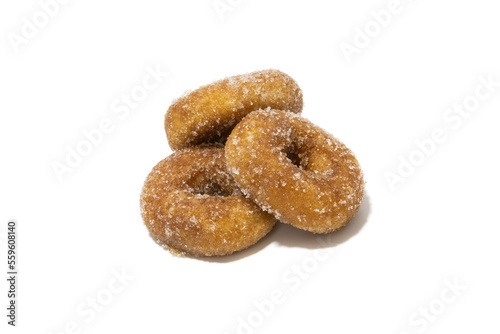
[(288, 236)]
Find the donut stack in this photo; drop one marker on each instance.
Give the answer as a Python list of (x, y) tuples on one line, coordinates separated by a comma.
[(244, 159)]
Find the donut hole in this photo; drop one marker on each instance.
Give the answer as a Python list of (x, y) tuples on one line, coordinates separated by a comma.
[(212, 189), (297, 154), (294, 157), (211, 184), (215, 136)]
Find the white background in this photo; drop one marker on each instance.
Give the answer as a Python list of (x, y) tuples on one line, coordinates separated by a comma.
[(394, 259)]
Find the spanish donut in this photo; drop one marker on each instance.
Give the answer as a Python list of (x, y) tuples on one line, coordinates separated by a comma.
[(208, 114), (295, 170), (191, 204)]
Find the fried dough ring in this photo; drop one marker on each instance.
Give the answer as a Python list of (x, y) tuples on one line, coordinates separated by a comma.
[(208, 114), (295, 170), (190, 203)]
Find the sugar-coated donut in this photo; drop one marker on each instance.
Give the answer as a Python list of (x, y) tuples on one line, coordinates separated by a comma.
[(208, 114), (191, 204), (295, 170)]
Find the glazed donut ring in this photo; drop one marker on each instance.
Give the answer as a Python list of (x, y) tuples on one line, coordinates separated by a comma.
[(208, 114), (190, 203), (295, 170)]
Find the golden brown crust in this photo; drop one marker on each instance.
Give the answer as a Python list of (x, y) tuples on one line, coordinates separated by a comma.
[(190, 203), (295, 170), (208, 114)]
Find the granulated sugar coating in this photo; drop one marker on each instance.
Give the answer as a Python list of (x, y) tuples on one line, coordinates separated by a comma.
[(295, 170), (192, 204), (208, 114)]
